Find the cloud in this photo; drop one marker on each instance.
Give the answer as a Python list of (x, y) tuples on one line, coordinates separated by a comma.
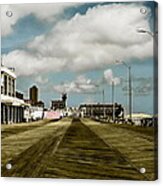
[(141, 86), (108, 76), (41, 80), (80, 85), (87, 42), (44, 12), (89, 100), (143, 89)]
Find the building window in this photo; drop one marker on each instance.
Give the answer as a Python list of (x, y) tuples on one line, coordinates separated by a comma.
[(9, 84), (1, 89), (2, 83), (5, 84), (13, 87)]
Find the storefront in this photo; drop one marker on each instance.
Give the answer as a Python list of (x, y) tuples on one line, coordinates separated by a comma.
[(12, 110)]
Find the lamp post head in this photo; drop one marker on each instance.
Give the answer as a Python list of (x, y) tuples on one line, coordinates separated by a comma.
[(141, 30), (122, 62), (144, 31), (117, 61)]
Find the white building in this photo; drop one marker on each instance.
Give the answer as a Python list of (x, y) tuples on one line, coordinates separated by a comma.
[(12, 108), (142, 119)]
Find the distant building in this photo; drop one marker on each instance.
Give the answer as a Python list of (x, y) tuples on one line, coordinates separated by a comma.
[(33, 94), (40, 104), (59, 104), (142, 119), (19, 95), (28, 101), (100, 110), (33, 97), (12, 107)]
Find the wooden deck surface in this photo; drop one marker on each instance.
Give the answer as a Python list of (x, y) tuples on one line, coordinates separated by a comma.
[(78, 148)]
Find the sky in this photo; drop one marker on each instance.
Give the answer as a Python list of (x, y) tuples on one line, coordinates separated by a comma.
[(74, 48)]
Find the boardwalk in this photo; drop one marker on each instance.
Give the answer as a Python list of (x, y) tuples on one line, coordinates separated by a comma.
[(78, 148)]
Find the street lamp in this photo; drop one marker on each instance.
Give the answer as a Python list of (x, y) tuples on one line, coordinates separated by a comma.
[(154, 35), (103, 91), (113, 111), (129, 86), (144, 31)]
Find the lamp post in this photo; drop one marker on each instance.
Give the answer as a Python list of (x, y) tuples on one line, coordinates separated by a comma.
[(129, 87), (144, 31), (154, 35), (113, 111), (103, 90)]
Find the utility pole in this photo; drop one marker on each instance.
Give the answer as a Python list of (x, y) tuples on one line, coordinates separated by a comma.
[(103, 96), (130, 93), (154, 35), (113, 111), (129, 87), (103, 91)]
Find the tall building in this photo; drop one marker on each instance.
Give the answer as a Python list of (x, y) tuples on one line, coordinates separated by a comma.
[(12, 107), (8, 81), (59, 104), (33, 94)]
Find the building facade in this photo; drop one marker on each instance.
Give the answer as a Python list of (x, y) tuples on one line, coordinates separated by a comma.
[(12, 108), (59, 104), (33, 95), (102, 111)]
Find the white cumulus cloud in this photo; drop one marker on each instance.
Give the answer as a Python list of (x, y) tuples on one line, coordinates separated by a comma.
[(80, 85), (108, 75), (86, 42), (41, 80), (45, 12)]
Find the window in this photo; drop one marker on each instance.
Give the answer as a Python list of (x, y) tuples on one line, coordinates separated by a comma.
[(13, 87), (5, 84), (9, 84)]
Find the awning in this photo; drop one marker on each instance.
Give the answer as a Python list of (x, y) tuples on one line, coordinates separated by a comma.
[(12, 100)]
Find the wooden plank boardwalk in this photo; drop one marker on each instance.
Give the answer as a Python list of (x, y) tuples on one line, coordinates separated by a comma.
[(137, 146), (82, 149)]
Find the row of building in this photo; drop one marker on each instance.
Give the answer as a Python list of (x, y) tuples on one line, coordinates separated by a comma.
[(14, 108), (115, 113), (11, 105), (103, 111)]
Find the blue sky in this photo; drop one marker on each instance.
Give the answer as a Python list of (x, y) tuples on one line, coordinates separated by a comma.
[(58, 56)]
